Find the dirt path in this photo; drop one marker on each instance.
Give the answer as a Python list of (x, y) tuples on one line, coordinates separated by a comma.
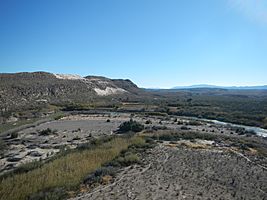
[(245, 157)]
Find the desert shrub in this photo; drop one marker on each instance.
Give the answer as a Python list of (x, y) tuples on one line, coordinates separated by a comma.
[(129, 156), (250, 132), (194, 123), (174, 136), (58, 117), (46, 132), (130, 126), (99, 141), (150, 141), (3, 146), (103, 171), (50, 194), (184, 128), (156, 114), (96, 177), (148, 122), (167, 137), (76, 130), (14, 135), (131, 159), (76, 138), (77, 106), (155, 128), (241, 146), (127, 159)]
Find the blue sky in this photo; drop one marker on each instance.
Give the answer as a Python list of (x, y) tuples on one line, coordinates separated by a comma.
[(155, 43)]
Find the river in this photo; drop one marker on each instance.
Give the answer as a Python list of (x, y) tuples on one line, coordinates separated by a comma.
[(259, 131)]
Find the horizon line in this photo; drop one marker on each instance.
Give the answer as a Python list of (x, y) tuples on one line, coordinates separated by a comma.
[(196, 85)]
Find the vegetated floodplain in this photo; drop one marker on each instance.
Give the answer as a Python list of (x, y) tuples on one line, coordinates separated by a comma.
[(65, 172), (11, 125), (28, 122), (248, 107)]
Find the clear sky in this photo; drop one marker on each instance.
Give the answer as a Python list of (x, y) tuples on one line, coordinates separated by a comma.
[(155, 43)]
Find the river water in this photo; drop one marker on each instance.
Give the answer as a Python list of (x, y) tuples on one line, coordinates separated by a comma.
[(259, 131)]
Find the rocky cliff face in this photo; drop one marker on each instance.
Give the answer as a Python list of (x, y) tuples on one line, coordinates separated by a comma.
[(24, 89)]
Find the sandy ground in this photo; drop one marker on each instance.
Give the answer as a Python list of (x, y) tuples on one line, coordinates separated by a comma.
[(179, 172)]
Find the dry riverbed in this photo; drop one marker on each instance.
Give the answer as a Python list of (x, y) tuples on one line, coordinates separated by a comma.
[(45, 140)]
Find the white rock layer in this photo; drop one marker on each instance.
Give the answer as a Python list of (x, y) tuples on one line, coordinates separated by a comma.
[(109, 91), (69, 76)]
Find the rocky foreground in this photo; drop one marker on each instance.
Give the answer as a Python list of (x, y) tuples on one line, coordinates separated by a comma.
[(175, 171)]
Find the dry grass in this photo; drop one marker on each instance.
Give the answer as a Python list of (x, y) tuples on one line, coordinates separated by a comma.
[(253, 151), (67, 171), (194, 145)]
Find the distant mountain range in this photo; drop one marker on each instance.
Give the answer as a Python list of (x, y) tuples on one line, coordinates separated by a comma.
[(262, 87)]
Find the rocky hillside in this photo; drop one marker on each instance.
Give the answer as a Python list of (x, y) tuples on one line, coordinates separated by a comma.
[(29, 89)]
